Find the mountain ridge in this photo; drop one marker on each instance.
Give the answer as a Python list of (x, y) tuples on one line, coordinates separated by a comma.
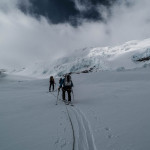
[(131, 55)]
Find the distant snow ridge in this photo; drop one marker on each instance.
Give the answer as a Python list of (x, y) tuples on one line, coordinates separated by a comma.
[(133, 54), (81, 62), (144, 56), (117, 58)]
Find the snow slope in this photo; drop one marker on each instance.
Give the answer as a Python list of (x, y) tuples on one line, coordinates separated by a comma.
[(111, 112), (120, 57)]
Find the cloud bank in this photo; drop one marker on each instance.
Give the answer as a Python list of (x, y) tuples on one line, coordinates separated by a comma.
[(24, 39)]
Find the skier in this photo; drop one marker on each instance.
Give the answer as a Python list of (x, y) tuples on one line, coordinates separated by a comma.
[(51, 83), (66, 85), (60, 80)]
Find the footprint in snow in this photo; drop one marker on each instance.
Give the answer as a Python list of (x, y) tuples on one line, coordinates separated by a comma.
[(109, 136), (63, 143), (57, 141), (107, 129)]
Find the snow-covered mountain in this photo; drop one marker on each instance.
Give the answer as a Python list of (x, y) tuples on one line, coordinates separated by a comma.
[(133, 54)]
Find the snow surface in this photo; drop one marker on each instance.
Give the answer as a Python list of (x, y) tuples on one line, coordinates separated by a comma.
[(122, 57), (111, 112)]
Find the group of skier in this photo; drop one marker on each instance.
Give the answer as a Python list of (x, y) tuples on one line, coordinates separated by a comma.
[(65, 84)]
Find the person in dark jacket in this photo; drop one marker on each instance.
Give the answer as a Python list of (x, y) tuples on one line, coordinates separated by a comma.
[(66, 85), (51, 83), (60, 80)]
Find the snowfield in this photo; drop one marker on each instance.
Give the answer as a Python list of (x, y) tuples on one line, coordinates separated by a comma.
[(111, 112)]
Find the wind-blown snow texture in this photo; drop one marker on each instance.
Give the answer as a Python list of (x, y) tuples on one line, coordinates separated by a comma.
[(111, 112), (119, 58)]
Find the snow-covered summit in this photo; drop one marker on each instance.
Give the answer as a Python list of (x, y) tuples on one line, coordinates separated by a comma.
[(133, 54), (125, 56)]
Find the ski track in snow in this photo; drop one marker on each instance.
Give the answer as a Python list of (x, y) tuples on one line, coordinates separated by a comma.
[(83, 138)]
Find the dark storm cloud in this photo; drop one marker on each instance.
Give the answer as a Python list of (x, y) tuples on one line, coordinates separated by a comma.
[(60, 11)]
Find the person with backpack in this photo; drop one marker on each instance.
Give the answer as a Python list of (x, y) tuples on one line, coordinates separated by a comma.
[(51, 83), (66, 85)]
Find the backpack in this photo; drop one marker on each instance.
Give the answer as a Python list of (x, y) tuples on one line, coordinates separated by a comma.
[(67, 81), (51, 79)]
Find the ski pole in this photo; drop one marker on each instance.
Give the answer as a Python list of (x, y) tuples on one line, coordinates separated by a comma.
[(57, 97), (55, 87), (72, 95)]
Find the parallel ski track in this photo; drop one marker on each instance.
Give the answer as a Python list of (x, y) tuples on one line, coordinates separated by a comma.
[(73, 133), (83, 140), (83, 134)]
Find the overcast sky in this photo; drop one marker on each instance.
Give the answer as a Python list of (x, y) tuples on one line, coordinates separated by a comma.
[(44, 30)]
